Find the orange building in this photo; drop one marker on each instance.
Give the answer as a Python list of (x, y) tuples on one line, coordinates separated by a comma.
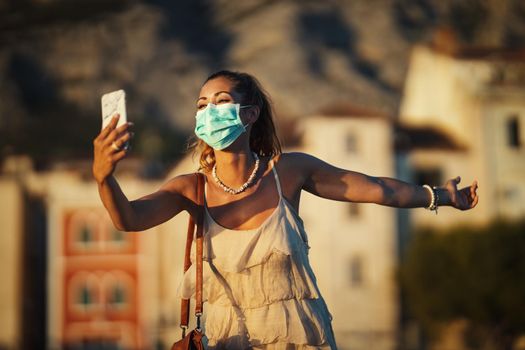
[(100, 281), (102, 284)]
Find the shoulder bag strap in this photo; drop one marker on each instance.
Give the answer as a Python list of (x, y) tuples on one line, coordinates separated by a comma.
[(185, 303), (199, 243)]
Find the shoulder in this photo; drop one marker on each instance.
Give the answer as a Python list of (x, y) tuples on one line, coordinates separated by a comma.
[(295, 159), (184, 185), (295, 163), (287, 157), (294, 169)]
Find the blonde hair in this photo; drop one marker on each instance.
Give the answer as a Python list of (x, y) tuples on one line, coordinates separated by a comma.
[(263, 136)]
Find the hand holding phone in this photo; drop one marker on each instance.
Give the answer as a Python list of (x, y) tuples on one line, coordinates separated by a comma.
[(112, 143)]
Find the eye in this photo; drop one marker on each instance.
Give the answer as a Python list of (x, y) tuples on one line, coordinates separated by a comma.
[(223, 100), (201, 106)]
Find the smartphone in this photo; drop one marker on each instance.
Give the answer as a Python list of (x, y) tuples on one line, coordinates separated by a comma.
[(114, 103)]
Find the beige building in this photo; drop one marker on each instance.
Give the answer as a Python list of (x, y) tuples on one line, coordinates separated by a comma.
[(354, 245), (11, 222), (477, 98)]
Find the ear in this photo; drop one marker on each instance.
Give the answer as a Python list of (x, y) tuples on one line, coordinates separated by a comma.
[(253, 113)]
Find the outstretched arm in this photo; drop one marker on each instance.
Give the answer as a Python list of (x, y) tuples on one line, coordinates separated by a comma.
[(327, 181)]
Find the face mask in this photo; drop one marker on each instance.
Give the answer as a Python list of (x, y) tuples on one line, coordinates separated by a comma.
[(219, 125)]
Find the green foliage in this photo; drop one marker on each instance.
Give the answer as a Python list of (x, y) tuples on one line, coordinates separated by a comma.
[(468, 273)]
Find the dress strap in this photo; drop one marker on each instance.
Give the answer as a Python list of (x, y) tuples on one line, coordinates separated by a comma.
[(205, 189), (206, 211), (277, 182)]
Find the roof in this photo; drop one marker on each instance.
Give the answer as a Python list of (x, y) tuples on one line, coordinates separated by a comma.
[(345, 110), (407, 138), (491, 54), (444, 41)]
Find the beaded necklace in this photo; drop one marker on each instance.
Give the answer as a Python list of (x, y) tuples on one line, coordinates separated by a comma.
[(244, 186)]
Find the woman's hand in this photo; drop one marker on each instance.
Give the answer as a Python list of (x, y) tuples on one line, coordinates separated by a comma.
[(463, 199), (108, 149)]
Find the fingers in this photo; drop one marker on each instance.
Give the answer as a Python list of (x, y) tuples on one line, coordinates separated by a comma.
[(455, 181), (473, 189), (121, 141), (115, 133), (127, 136), (465, 198), (112, 124), (119, 155), (473, 194), (469, 197), (108, 148), (474, 201)]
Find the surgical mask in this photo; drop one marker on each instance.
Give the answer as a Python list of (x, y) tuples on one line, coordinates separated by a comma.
[(219, 125)]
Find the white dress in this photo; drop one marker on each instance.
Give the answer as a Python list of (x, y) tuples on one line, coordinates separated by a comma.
[(259, 286)]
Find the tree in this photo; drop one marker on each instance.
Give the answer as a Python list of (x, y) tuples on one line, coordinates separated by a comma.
[(475, 274)]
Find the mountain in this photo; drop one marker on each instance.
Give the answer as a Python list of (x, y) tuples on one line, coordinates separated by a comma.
[(57, 57)]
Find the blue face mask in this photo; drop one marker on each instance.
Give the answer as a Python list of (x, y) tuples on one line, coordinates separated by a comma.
[(219, 125)]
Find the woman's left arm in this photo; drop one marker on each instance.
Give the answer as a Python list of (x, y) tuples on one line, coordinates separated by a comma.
[(327, 181)]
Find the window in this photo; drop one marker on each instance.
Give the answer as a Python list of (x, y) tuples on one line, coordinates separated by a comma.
[(119, 291), (429, 176), (85, 296), (353, 209), (117, 236), (85, 235), (351, 142), (117, 295), (83, 292), (513, 132), (117, 241), (356, 271), (83, 231)]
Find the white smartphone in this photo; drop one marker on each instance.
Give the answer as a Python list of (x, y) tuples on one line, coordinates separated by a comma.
[(114, 103)]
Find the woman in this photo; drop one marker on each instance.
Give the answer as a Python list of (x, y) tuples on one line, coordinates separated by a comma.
[(259, 285)]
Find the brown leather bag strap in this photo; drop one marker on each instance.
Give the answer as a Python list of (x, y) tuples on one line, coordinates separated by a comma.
[(199, 241), (185, 303)]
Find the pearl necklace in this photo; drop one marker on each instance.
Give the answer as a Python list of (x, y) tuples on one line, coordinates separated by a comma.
[(244, 186)]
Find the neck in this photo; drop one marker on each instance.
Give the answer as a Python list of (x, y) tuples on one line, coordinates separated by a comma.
[(234, 168)]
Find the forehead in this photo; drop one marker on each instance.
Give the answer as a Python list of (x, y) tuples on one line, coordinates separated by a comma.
[(212, 87)]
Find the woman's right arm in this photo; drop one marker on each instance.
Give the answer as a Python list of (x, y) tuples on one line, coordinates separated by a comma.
[(148, 211), (142, 213)]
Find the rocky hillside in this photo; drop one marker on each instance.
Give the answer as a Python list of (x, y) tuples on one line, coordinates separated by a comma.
[(57, 57)]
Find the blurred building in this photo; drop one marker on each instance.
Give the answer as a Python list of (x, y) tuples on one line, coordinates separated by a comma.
[(102, 283), (463, 113), (72, 280), (354, 245), (11, 248), (476, 97)]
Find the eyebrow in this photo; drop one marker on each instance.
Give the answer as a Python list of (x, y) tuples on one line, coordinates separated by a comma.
[(215, 94)]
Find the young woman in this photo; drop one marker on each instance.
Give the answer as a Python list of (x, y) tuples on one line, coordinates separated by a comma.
[(258, 282)]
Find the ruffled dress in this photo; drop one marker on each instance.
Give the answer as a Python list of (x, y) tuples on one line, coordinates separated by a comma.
[(259, 286)]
